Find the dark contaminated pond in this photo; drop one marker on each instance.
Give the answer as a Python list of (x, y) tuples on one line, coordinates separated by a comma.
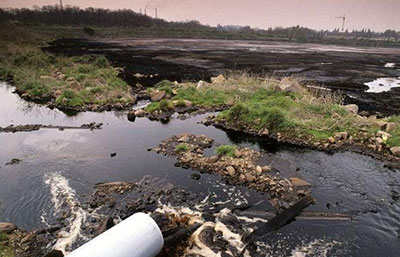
[(60, 166)]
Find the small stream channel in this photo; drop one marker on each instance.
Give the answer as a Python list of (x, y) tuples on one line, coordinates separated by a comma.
[(68, 163)]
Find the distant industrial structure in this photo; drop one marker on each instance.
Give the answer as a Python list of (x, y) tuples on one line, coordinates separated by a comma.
[(155, 11), (343, 20)]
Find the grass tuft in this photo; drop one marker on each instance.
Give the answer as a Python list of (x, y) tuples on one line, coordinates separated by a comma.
[(181, 148), (226, 150)]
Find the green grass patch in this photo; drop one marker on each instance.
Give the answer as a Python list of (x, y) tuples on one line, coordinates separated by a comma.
[(203, 97), (181, 148), (81, 80), (163, 105), (226, 150), (3, 237)]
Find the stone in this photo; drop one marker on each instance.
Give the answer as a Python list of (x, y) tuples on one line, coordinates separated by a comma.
[(341, 136), (299, 182), (118, 106), (7, 228), (213, 159), (384, 135), (132, 115), (353, 108), (238, 153), (188, 103), (140, 113), (266, 168), (231, 171), (390, 126), (195, 176), (264, 132), (379, 141), (157, 95), (250, 178), (183, 139), (61, 77), (331, 140), (218, 79), (259, 170), (55, 253), (288, 84), (201, 84), (395, 151)]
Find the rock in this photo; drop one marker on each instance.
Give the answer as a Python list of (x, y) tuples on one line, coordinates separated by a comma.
[(7, 228), (390, 126), (290, 85), (238, 153), (341, 136), (364, 113), (259, 170), (264, 132), (331, 140), (132, 115), (201, 84), (250, 178), (379, 141), (218, 80), (213, 159), (140, 113), (353, 108), (242, 177), (61, 77), (231, 171), (195, 176), (299, 182), (266, 168), (188, 103), (55, 253), (113, 154), (301, 192), (395, 151), (384, 135), (183, 139), (157, 95), (118, 106)]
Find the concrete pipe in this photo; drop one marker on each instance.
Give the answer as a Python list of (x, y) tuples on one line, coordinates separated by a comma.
[(137, 236)]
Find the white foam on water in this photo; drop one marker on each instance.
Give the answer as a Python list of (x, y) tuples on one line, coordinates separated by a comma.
[(64, 199), (382, 85), (390, 65), (317, 247)]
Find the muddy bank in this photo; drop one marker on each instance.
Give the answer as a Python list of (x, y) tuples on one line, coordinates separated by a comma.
[(147, 62), (35, 127), (361, 143)]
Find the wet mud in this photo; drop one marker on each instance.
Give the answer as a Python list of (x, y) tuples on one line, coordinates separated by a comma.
[(147, 62)]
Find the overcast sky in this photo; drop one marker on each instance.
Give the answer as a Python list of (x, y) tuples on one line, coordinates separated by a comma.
[(318, 14)]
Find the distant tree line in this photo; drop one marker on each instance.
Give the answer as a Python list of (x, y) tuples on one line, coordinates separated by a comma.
[(53, 15)]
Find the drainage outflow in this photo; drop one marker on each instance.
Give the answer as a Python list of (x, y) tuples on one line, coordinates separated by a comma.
[(137, 236)]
